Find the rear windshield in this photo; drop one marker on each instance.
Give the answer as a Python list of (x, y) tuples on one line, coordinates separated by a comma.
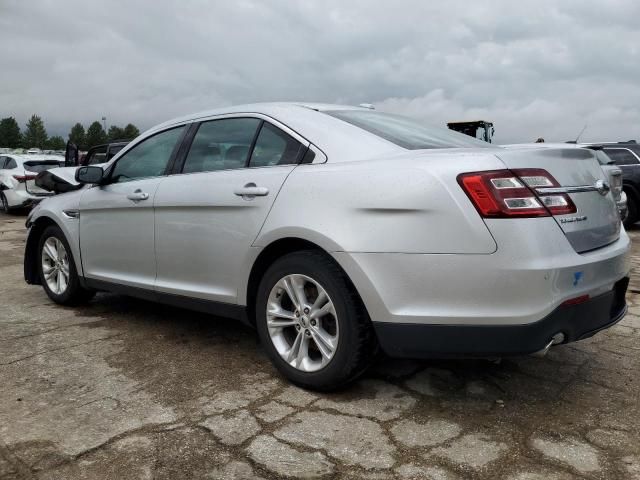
[(405, 132), (42, 165)]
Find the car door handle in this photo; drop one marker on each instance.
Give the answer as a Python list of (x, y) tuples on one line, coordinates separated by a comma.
[(138, 195), (250, 190)]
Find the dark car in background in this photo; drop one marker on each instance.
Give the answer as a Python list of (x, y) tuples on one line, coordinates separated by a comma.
[(626, 155)]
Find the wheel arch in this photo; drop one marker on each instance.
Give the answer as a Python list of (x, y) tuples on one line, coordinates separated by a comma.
[(270, 254), (31, 248)]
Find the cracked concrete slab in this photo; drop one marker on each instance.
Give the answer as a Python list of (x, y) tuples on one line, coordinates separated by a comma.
[(37, 412), (473, 451), (285, 460), (123, 388), (432, 432), (232, 429), (273, 411), (296, 396), (355, 441), (419, 472), (577, 454)]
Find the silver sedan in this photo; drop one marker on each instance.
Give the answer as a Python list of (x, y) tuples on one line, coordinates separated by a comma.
[(339, 232)]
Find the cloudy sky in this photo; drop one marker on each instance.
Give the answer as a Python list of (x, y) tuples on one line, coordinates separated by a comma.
[(542, 68)]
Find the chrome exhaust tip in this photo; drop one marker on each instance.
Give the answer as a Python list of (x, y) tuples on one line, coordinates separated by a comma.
[(555, 340)]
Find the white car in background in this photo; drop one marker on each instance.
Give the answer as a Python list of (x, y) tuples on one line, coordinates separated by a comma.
[(17, 179)]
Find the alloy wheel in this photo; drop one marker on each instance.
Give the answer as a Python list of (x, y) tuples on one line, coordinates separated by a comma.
[(302, 322), (55, 265)]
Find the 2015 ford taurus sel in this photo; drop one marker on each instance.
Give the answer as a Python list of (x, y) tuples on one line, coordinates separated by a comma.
[(338, 230)]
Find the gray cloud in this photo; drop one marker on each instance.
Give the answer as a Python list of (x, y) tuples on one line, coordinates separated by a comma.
[(541, 68)]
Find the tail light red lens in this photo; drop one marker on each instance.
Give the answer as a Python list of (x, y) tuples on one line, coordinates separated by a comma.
[(511, 193), (24, 178)]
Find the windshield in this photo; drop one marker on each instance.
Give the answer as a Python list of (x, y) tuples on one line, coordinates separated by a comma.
[(41, 166), (405, 132)]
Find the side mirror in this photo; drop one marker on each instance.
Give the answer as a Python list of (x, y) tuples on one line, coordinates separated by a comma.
[(89, 174)]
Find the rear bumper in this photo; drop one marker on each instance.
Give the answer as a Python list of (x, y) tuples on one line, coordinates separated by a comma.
[(22, 198), (533, 272), (576, 322)]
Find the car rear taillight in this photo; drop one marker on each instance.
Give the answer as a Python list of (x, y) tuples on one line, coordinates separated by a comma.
[(24, 178), (616, 184), (511, 193)]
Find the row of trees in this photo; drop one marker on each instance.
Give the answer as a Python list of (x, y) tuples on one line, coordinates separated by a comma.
[(35, 135), (95, 134)]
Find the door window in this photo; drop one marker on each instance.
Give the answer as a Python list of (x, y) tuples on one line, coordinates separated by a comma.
[(11, 163), (148, 158), (96, 155), (221, 145), (274, 147), (113, 150), (621, 156)]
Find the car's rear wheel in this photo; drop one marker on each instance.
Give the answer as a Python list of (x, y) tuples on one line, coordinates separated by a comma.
[(4, 203), (632, 211), (312, 322), (57, 269)]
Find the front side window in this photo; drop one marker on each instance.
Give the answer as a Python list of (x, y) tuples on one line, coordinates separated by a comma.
[(621, 156), (221, 145), (405, 132), (148, 158), (274, 147), (11, 163)]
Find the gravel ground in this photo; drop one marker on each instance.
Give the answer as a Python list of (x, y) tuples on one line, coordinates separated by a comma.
[(123, 388)]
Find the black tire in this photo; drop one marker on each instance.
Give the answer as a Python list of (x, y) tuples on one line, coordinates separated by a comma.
[(632, 210), (4, 204), (357, 343), (74, 294)]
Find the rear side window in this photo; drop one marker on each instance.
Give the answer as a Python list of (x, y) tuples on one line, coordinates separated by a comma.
[(275, 147), (621, 156), (221, 145), (405, 132), (11, 163), (149, 158)]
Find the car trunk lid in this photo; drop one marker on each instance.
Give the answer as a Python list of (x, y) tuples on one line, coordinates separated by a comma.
[(596, 222)]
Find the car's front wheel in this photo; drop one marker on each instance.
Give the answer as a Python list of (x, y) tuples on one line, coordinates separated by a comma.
[(57, 269), (312, 322)]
